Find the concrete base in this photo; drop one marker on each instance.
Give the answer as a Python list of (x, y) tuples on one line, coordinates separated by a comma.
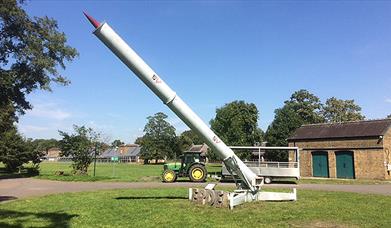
[(231, 199), (242, 196)]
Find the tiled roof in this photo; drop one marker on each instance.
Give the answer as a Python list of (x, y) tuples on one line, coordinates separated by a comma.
[(110, 153), (356, 129), (130, 151), (198, 148)]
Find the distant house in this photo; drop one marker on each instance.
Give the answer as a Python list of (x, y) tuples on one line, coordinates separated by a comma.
[(125, 153), (203, 149), (134, 155), (130, 153), (53, 154), (108, 154), (360, 149)]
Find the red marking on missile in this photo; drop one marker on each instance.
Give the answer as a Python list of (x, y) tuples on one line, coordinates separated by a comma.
[(156, 79), (94, 22)]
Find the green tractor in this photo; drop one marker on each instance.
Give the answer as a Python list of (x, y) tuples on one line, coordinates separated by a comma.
[(192, 165)]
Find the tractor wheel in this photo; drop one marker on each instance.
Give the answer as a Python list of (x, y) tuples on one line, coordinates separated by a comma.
[(197, 173), (169, 176)]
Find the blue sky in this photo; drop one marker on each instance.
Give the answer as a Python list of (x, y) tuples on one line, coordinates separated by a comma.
[(212, 53)]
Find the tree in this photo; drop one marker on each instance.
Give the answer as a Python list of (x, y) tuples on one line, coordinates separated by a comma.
[(285, 122), (117, 143), (159, 140), (7, 119), (187, 139), (303, 107), (337, 110), (43, 145), (236, 123), (31, 49), (139, 140), (212, 155), (80, 146), (389, 116), (306, 105), (16, 151)]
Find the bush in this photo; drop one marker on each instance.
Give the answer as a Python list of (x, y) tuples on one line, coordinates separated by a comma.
[(80, 147), (16, 151)]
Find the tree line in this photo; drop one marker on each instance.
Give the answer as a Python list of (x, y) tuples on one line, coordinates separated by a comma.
[(236, 123)]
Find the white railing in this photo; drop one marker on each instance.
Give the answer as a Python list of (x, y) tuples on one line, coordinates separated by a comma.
[(272, 164)]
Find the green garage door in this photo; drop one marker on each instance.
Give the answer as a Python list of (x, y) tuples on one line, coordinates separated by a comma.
[(345, 164), (320, 164)]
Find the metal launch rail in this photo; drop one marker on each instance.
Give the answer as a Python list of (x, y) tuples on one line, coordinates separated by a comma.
[(269, 170), (251, 183)]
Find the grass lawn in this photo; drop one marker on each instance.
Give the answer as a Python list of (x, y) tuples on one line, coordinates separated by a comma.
[(171, 208), (104, 171), (139, 172)]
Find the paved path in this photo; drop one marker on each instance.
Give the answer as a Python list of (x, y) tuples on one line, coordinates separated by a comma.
[(29, 187)]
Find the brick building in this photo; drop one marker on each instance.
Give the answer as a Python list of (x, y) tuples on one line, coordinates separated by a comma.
[(356, 150), (53, 154)]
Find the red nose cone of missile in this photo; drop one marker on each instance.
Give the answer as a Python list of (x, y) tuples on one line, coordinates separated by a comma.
[(94, 22)]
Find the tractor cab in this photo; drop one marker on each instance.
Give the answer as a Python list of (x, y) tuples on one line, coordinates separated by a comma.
[(189, 158), (192, 165)]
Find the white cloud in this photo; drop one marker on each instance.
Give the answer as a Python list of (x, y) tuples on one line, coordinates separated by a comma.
[(49, 110), (100, 127), (388, 100), (32, 129)]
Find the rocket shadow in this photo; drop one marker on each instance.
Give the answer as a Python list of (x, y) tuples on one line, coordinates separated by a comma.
[(7, 198)]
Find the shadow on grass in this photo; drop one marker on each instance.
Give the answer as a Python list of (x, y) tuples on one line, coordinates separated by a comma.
[(149, 197), (25, 219), (6, 198), (26, 172)]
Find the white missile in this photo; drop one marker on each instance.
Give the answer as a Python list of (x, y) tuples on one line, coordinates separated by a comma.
[(150, 78)]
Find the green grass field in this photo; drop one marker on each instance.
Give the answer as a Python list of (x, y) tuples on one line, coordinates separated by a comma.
[(138, 172), (170, 208), (104, 172)]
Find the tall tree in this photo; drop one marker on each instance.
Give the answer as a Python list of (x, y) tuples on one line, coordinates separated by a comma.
[(159, 140), (303, 107), (43, 145), (285, 122), (117, 143), (188, 138), (31, 49), (80, 146), (337, 110), (306, 105), (236, 123)]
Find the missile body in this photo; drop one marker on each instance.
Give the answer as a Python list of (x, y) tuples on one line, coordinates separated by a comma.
[(150, 78)]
